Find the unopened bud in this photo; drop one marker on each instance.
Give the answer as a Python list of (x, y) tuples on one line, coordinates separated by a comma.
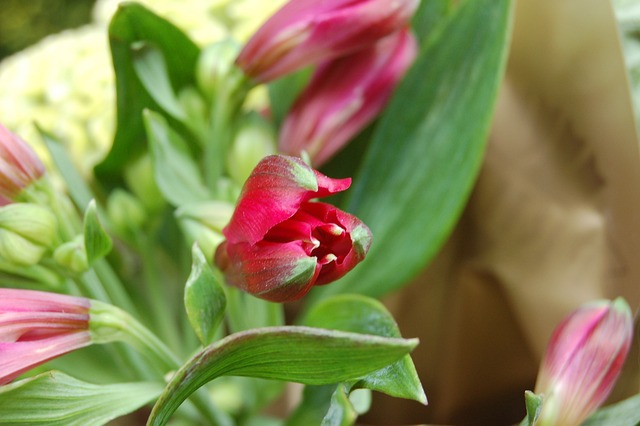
[(31, 221), (583, 361), (125, 212), (306, 33), (139, 178), (216, 67), (72, 255), (19, 166), (26, 232)]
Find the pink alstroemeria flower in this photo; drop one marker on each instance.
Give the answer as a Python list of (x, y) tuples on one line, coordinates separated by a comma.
[(583, 361), (36, 327), (19, 166), (279, 243), (307, 32), (345, 95)]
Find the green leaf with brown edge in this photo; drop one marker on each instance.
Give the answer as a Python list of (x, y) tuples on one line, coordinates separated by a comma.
[(56, 399), (296, 354), (204, 298), (427, 147), (131, 24), (361, 314)]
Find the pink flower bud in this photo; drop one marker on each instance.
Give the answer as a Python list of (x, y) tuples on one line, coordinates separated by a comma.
[(36, 327), (279, 243), (583, 361), (345, 95), (306, 32), (19, 166)]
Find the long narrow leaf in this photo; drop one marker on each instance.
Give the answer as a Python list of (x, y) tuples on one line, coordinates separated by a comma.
[(132, 24), (55, 399), (427, 148), (297, 354)]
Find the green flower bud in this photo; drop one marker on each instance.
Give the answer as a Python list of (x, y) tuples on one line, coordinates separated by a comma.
[(30, 221), (18, 250), (125, 212), (139, 178), (26, 232), (203, 223), (72, 255), (254, 140), (216, 67)]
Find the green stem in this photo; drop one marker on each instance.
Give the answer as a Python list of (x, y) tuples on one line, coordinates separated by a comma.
[(224, 112), (113, 285), (109, 323), (158, 291)]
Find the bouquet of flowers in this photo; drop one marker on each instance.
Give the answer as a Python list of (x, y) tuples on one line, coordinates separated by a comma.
[(255, 202)]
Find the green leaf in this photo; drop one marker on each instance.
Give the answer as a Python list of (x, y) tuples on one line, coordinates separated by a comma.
[(313, 407), (533, 404), (176, 174), (97, 242), (75, 183), (361, 314), (204, 298), (263, 312), (430, 15), (623, 413), (151, 69), (131, 24), (53, 398), (341, 412), (427, 148), (297, 354), (283, 92)]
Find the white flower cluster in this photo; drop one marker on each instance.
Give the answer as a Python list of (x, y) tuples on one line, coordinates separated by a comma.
[(65, 83)]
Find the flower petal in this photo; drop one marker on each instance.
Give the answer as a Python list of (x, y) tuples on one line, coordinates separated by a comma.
[(306, 32), (19, 357), (273, 193), (271, 271)]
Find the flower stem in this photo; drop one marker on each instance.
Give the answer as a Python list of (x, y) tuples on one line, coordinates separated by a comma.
[(109, 323)]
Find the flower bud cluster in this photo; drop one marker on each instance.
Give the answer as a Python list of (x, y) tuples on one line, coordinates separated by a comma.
[(32, 215), (361, 50)]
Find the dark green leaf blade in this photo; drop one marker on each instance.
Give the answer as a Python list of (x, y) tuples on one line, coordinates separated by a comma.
[(134, 23), (427, 148), (97, 242), (361, 314), (429, 16), (204, 298), (55, 399), (297, 354)]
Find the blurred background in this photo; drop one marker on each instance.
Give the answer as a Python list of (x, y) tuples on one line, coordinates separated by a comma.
[(23, 23)]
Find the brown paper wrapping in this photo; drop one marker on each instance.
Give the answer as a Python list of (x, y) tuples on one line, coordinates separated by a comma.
[(553, 222)]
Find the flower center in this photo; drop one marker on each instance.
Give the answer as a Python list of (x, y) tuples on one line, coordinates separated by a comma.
[(321, 236), (332, 243)]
